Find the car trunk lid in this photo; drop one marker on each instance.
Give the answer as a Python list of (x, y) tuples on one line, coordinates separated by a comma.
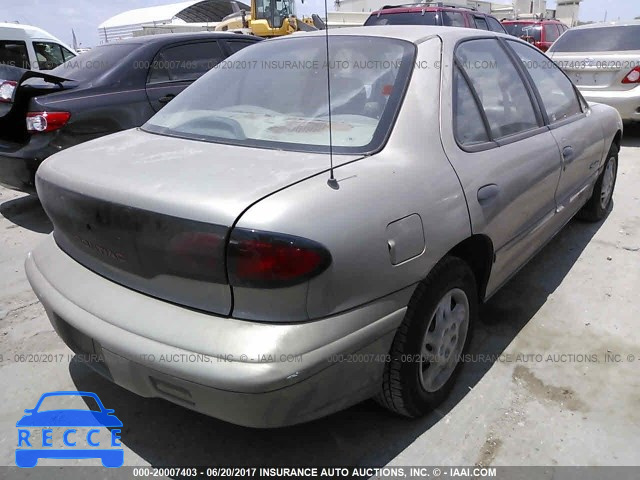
[(30, 84), (154, 213), (598, 71)]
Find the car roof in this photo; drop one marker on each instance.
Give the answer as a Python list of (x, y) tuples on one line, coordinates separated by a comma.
[(416, 8), (532, 20), (173, 37), (628, 23), (29, 31), (410, 33)]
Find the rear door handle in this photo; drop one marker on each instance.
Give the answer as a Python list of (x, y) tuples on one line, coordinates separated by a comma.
[(488, 192), (167, 98), (568, 154)]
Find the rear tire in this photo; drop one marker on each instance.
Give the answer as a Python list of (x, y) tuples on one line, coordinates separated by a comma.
[(427, 348), (599, 204)]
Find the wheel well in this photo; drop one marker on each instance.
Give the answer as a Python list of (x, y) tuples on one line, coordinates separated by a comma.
[(477, 251), (617, 139)]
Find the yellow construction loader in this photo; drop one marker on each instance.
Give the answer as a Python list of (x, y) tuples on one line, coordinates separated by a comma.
[(269, 18)]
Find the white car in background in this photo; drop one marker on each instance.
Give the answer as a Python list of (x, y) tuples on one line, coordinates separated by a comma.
[(603, 61), (31, 48)]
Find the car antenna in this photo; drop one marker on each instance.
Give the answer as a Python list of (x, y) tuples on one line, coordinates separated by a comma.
[(332, 182)]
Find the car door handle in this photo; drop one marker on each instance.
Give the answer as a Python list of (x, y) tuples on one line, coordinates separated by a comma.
[(568, 155), (488, 192), (167, 98)]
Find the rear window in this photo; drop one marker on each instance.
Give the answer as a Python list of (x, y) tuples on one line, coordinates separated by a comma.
[(524, 30), (14, 54), (601, 39), (274, 95), (95, 62), (405, 18)]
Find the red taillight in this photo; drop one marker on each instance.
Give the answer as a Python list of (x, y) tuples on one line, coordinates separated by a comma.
[(273, 260), (7, 90), (46, 121), (633, 76)]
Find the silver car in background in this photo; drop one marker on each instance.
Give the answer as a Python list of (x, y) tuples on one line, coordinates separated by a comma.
[(603, 61), (213, 258)]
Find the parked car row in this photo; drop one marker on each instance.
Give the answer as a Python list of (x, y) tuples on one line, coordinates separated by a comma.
[(261, 217), (111, 88), (603, 60)]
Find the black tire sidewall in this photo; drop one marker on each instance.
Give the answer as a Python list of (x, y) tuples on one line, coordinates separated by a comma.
[(456, 274), (603, 211)]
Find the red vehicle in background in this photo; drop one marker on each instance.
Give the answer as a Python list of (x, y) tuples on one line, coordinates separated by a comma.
[(434, 13), (541, 33)]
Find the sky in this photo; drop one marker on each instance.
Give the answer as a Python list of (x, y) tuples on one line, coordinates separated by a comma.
[(58, 17)]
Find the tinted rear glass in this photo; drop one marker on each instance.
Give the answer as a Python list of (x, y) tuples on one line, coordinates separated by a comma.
[(523, 30), (406, 18), (14, 54), (95, 62), (274, 95), (605, 39)]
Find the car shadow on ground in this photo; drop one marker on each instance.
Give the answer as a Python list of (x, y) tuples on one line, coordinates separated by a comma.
[(27, 212), (631, 137), (164, 434)]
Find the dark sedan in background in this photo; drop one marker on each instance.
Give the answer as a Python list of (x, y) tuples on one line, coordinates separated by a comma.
[(111, 88)]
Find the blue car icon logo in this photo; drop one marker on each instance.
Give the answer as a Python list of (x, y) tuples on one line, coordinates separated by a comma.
[(35, 433)]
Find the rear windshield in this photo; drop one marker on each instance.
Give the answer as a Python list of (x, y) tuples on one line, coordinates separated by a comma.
[(406, 18), (274, 95), (524, 30), (95, 62), (602, 39), (14, 54)]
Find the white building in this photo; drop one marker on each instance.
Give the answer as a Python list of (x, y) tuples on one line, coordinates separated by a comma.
[(200, 13)]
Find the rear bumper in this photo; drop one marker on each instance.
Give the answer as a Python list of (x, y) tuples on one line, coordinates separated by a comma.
[(626, 102), (248, 373), (19, 163)]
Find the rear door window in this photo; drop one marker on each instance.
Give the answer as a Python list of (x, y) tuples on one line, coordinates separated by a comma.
[(468, 125), (14, 54), (481, 23), (551, 33), (67, 54), (236, 45), (453, 19), (600, 39), (497, 83), (556, 90), (48, 55), (495, 25), (185, 62)]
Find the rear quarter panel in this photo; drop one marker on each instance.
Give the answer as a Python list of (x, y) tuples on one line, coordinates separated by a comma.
[(411, 175), (97, 112)]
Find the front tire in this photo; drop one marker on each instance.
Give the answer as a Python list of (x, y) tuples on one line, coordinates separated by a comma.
[(599, 204), (427, 348)]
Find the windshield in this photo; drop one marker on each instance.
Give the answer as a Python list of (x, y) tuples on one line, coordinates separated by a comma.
[(605, 39), (90, 65), (406, 18), (274, 11), (524, 30), (274, 95)]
